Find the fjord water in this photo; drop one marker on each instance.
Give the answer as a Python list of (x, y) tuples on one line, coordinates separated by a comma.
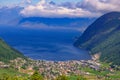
[(45, 44)]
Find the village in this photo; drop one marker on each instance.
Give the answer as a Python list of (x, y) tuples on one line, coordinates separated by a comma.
[(51, 69)]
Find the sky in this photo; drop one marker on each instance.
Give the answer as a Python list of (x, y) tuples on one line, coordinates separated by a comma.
[(64, 8), (11, 2), (58, 1)]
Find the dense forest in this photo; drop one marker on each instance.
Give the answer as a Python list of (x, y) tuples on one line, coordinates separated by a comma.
[(8, 53)]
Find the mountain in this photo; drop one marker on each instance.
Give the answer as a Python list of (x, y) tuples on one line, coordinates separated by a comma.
[(10, 16), (7, 53), (66, 22), (56, 23), (103, 37)]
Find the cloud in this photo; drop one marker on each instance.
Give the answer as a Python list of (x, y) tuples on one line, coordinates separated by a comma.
[(85, 8), (49, 27), (25, 2), (45, 9), (101, 6), (15, 3)]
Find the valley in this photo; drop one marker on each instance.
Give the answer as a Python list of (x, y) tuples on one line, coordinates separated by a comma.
[(59, 40)]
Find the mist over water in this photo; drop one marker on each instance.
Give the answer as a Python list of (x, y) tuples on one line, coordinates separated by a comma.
[(44, 44)]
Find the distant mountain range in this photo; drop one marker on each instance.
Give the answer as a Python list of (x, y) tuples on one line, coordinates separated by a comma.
[(57, 22), (103, 37), (12, 17)]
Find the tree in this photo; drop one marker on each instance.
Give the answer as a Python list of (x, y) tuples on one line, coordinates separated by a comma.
[(36, 76), (81, 78), (63, 77)]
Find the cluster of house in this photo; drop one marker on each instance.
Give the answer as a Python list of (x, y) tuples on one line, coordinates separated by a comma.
[(51, 69), (3, 65)]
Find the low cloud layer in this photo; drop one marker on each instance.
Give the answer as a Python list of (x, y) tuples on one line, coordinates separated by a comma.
[(85, 8), (51, 27)]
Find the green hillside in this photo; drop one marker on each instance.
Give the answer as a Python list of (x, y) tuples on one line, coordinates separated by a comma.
[(7, 53), (103, 36)]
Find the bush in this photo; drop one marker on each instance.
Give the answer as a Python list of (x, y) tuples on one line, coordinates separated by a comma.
[(36, 76)]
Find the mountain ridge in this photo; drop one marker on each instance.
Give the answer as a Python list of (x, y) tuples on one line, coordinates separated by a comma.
[(103, 36), (8, 53)]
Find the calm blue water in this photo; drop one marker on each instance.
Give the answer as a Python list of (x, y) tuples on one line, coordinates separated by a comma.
[(56, 45)]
